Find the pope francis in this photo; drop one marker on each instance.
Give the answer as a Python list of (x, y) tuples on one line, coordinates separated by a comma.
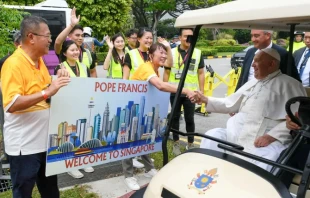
[(259, 122)]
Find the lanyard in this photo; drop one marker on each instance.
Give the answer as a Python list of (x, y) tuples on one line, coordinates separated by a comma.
[(120, 60), (143, 56), (180, 64), (81, 55)]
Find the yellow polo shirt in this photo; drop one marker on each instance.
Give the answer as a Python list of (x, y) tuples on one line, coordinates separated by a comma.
[(25, 131), (144, 72)]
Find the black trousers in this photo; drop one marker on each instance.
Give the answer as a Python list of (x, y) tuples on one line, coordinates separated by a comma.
[(189, 110), (26, 170), (298, 160)]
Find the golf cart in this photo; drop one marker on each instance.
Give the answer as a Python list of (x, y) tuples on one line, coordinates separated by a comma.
[(207, 173)]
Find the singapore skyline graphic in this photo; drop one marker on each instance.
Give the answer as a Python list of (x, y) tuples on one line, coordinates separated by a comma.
[(111, 129)]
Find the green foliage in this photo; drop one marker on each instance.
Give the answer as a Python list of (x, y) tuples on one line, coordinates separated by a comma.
[(208, 51), (224, 35), (158, 156), (101, 56), (229, 48), (160, 5), (9, 21), (231, 32), (223, 42), (166, 28), (21, 2), (204, 34), (203, 43), (243, 36), (104, 17)]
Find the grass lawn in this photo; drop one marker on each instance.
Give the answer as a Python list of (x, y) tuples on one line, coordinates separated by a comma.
[(158, 157), (82, 191), (225, 53)]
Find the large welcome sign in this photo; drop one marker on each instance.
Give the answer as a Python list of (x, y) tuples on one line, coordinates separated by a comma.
[(95, 121)]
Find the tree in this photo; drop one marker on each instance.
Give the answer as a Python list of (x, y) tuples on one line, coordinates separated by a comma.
[(243, 36), (10, 20), (22, 2), (104, 17), (148, 13), (166, 28)]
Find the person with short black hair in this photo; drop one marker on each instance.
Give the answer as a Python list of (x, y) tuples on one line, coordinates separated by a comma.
[(75, 32), (131, 36), (26, 86), (194, 80)]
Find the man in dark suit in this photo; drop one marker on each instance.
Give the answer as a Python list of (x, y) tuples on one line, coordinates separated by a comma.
[(262, 39), (301, 57)]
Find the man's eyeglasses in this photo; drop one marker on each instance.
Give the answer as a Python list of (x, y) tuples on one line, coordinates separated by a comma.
[(47, 36)]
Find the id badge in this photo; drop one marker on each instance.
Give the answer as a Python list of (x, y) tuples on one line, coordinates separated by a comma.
[(177, 76), (191, 67)]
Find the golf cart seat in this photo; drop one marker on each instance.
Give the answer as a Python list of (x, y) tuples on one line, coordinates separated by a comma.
[(308, 91), (202, 172), (295, 184)]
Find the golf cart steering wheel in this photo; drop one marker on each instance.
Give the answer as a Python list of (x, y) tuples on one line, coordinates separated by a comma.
[(303, 110)]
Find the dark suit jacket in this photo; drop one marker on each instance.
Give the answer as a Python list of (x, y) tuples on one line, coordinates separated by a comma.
[(298, 55), (247, 63)]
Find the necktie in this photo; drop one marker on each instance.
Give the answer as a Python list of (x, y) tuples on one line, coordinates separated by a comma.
[(304, 63)]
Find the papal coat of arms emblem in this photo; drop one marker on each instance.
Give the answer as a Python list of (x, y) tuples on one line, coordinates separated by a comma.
[(203, 181)]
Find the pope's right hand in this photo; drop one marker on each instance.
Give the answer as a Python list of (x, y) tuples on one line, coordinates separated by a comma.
[(290, 124), (200, 98)]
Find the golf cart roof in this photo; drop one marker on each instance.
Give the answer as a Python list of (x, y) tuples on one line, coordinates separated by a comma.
[(250, 14)]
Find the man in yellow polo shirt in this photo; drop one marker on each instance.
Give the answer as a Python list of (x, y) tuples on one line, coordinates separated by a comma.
[(26, 85)]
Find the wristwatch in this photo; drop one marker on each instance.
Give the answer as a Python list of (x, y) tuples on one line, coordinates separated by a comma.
[(45, 96)]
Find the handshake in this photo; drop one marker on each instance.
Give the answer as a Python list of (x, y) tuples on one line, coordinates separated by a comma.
[(196, 97)]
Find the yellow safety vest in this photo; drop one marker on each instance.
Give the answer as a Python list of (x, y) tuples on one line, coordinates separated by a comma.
[(126, 50), (191, 81), (87, 59), (115, 70), (136, 59), (82, 69), (297, 46)]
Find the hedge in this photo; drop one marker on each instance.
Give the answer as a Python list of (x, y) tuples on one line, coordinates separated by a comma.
[(235, 48), (219, 42), (208, 52), (203, 43), (101, 56)]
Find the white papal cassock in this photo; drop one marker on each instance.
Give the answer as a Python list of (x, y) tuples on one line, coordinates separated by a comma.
[(260, 108)]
